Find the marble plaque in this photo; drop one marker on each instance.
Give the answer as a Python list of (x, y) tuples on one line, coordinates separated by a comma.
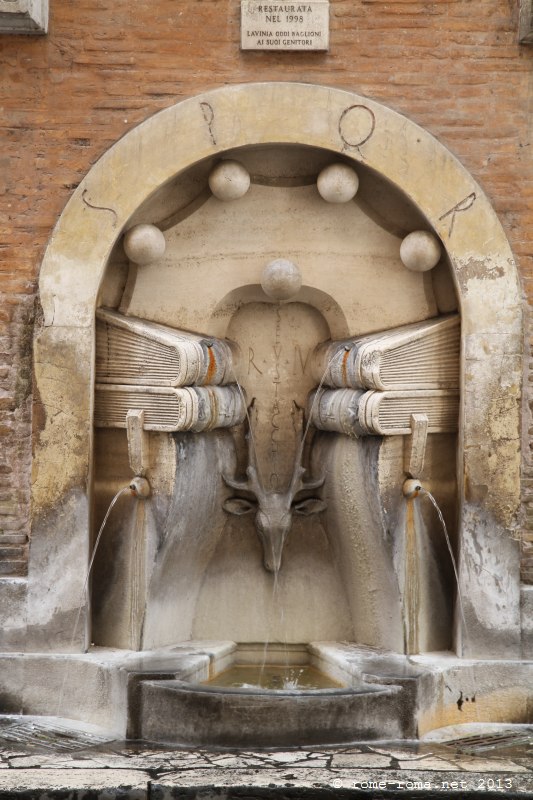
[(23, 16), (526, 22), (284, 26)]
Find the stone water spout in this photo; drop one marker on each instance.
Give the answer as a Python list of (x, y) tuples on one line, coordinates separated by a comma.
[(411, 488), (140, 488), (274, 509)]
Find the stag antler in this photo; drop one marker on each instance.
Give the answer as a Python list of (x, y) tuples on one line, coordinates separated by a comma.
[(297, 484), (253, 483)]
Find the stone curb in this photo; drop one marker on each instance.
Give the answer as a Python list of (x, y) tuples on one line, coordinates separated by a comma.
[(223, 783)]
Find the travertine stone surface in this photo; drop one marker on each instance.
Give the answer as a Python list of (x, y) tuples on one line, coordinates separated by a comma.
[(13, 612), (526, 22), (387, 413), (526, 605), (216, 256), (371, 137), (189, 408)]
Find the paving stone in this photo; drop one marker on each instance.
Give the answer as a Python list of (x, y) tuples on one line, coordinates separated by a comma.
[(246, 777), (310, 762), (429, 763), (293, 756), (109, 770), (490, 765), (132, 784), (24, 762), (449, 783), (359, 760), (409, 753)]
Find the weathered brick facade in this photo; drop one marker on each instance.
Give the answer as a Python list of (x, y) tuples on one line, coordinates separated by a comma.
[(454, 67)]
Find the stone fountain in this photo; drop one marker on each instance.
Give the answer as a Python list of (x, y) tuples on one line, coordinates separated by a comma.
[(265, 309)]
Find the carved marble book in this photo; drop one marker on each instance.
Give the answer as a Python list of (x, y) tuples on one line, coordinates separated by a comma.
[(169, 409), (357, 413), (134, 351), (336, 410), (389, 413), (420, 356)]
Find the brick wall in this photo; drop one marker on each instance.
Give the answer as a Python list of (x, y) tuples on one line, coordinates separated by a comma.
[(453, 66)]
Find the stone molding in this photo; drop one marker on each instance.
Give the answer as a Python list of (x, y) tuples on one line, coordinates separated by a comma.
[(485, 274), (24, 16)]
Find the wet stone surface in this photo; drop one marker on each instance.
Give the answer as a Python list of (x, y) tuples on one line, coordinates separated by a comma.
[(45, 759)]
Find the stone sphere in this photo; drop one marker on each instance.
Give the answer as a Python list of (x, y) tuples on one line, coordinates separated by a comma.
[(420, 251), (144, 244), (337, 183), (229, 180), (281, 279)]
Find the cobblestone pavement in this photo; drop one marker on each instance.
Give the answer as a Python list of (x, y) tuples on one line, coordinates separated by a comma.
[(44, 758)]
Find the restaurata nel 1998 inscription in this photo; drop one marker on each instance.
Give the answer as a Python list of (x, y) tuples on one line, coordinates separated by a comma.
[(284, 26)]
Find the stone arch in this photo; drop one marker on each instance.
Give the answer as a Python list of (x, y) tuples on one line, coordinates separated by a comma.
[(486, 282)]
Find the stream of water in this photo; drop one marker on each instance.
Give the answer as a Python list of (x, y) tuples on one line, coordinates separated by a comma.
[(85, 587), (290, 677), (454, 565)]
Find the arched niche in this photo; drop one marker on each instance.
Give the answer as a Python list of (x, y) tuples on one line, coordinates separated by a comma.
[(486, 281)]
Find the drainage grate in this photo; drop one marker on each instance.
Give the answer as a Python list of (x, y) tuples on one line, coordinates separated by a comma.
[(480, 743), (50, 736)]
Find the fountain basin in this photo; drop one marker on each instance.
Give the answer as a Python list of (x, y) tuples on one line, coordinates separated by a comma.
[(160, 694), (182, 713), (212, 714)]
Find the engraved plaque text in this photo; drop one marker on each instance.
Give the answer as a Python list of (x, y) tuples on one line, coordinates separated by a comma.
[(284, 26)]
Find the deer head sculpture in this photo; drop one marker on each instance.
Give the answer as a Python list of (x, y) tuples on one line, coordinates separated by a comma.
[(274, 509)]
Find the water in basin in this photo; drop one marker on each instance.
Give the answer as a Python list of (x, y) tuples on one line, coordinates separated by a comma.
[(273, 677)]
